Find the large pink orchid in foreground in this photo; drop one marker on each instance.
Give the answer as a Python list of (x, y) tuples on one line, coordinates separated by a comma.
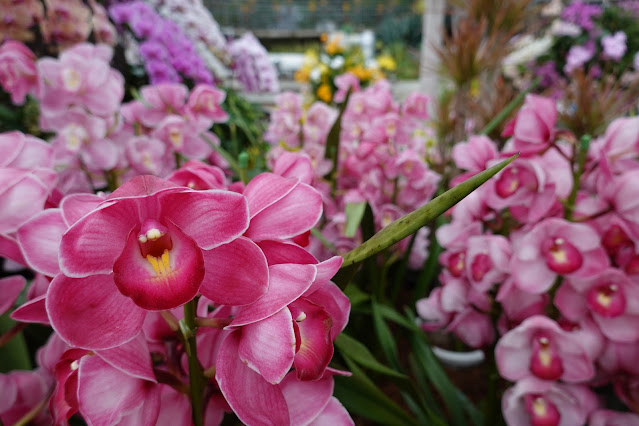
[(150, 246)]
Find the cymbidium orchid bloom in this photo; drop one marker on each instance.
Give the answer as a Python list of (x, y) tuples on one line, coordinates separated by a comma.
[(541, 348), (533, 129), (541, 402), (151, 245), (556, 246)]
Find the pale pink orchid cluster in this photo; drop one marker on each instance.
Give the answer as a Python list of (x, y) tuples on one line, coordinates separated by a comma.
[(61, 23), (541, 262), (96, 136), (113, 272), (384, 158)]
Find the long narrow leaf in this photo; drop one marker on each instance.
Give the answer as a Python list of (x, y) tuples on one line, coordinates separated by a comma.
[(385, 337), (361, 396), (360, 354), (406, 225)]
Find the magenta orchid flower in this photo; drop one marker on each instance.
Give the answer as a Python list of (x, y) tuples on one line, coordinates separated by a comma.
[(151, 245), (533, 129)]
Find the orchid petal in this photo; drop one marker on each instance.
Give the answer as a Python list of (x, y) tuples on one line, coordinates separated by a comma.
[(39, 239), (264, 404), (213, 217), (268, 346), (294, 214), (335, 302), (265, 189), (75, 206), (315, 345), (91, 313), (132, 358), (306, 400), (286, 283), (163, 282), (11, 288), (236, 273), (33, 311), (333, 414)]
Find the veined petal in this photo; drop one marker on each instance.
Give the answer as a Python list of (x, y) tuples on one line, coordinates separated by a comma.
[(306, 400), (334, 413), (142, 186), (132, 358), (105, 393), (91, 313), (27, 195), (266, 189), (75, 206), (164, 281), (294, 214), (236, 273), (268, 346), (335, 302), (286, 283), (277, 252), (33, 311), (264, 404), (11, 288), (315, 345), (39, 240), (211, 217), (93, 243), (10, 249)]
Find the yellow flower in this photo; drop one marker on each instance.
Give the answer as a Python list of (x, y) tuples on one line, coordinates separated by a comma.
[(386, 62), (324, 93), (363, 74), (334, 46), (302, 75)]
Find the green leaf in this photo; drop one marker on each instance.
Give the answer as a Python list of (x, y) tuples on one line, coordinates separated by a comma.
[(356, 351), (457, 404), (361, 396), (385, 337), (354, 214), (392, 315), (14, 354), (406, 225), (355, 295)]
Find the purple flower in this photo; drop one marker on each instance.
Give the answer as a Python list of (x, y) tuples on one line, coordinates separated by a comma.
[(578, 56), (614, 46), (153, 51), (548, 74), (581, 14)]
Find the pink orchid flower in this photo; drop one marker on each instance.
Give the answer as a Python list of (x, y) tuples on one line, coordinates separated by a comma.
[(538, 346), (533, 129), (555, 246), (540, 402), (18, 74), (151, 245)]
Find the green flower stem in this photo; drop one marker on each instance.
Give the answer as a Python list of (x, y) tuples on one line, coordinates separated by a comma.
[(410, 223), (504, 113), (31, 414), (243, 160), (576, 176), (196, 377)]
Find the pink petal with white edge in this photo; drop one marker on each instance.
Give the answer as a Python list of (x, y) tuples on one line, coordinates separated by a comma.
[(33, 311), (92, 244), (265, 189), (76, 206), (326, 270), (268, 346), (132, 358), (335, 302), (142, 186), (236, 273), (333, 414), (39, 239), (161, 282), (306, 400), (10, 249), (27, 196), (106, 393), (91, 313), (293, 215), (10, 288), (314, 341), (286, 283), (253, 399), (211, 217)]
